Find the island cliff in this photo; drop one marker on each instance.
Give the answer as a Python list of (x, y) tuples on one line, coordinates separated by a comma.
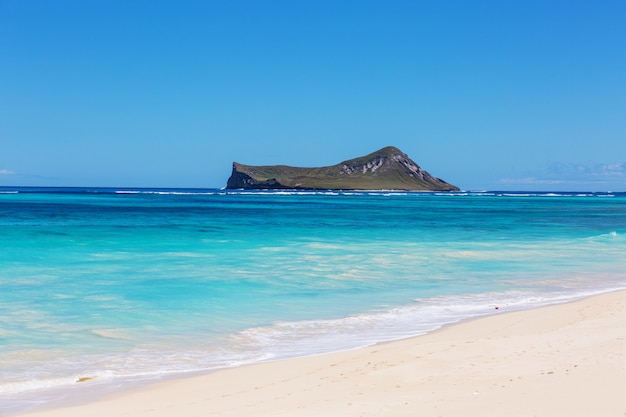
[(386, 169)]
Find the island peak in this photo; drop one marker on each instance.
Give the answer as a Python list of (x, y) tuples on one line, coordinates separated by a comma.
[(386, 169)]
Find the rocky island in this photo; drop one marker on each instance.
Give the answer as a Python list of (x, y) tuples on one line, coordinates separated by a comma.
[(386, 169)]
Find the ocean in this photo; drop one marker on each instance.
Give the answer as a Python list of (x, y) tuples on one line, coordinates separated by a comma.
[(105, 287)]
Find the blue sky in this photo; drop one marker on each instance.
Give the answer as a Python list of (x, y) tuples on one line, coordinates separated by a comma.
[(507, 95)]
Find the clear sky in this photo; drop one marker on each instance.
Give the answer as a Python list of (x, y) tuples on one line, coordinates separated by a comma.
[(506, 95)]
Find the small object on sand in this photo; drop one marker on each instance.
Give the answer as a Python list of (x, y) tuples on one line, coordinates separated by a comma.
[(84, 378)]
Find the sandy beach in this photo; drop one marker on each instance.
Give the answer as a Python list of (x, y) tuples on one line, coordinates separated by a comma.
[(563, 360)]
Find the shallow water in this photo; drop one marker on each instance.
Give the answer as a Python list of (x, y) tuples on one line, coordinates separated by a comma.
[(119, 285)]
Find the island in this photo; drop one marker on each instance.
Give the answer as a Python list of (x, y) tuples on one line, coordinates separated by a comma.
[(386, 169)]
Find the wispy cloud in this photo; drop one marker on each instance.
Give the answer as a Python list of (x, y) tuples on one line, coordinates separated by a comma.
[(529, 181), (618, 169), (572, 174), (587, 171), (6, 172)]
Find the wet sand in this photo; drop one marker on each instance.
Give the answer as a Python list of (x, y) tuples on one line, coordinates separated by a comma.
[(563, 360)]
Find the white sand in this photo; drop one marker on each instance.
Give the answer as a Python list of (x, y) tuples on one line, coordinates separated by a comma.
[(566, 360)]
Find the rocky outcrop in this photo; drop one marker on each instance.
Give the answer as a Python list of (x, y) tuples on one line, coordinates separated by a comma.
[(239, 179), (386, 169)]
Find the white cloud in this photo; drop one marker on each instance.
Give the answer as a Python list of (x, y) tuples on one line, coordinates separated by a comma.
[(6, 172)]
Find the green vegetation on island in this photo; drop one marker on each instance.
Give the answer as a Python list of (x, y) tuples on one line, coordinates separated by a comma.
[(386, 169)]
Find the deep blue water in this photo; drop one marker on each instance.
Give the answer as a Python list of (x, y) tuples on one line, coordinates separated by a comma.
[(126, 284)]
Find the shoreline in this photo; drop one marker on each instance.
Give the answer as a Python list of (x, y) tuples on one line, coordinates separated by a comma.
[(564, 359)]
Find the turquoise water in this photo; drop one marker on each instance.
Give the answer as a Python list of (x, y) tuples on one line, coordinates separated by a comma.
[(126, 285)]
